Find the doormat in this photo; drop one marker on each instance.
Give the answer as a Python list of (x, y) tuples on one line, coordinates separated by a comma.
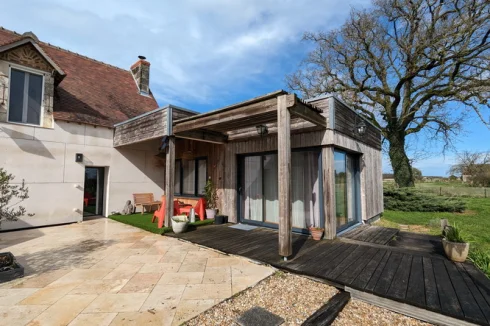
[(243, 227), (258, 316)]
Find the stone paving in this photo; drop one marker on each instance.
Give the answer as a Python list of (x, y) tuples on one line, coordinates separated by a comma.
[(102, 272)]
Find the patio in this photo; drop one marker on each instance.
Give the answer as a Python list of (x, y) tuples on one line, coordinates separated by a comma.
[(102, 272)]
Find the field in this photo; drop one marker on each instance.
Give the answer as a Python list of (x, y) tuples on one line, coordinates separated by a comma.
[(474, 222), (457, 189)]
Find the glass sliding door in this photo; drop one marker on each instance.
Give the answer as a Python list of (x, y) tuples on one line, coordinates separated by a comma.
[(252, 189), (271, 198), (346, 189), (259, 195)]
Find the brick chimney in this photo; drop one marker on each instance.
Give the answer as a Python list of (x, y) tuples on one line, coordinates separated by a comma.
[(141, 73)]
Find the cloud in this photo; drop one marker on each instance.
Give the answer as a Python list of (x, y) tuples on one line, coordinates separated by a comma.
[(202, 52)]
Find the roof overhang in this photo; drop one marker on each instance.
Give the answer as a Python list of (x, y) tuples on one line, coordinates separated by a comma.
[(261, 110)]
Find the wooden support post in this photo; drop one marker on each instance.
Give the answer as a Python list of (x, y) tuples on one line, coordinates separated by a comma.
[(169, 180), (284, 167), (328, 173)]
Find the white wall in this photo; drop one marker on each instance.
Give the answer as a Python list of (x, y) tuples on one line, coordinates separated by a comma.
[(45, 159)]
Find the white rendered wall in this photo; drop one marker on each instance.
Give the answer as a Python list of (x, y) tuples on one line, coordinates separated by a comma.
[(45, 159)]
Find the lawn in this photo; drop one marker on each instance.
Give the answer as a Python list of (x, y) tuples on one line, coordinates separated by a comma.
[(474, 222), (143, 221)]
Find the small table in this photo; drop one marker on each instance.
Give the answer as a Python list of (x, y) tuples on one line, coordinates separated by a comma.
[(150, 205)]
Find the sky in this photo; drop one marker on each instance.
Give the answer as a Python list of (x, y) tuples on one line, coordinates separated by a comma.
[(206, 54)]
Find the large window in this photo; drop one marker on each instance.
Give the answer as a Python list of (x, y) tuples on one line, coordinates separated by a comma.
[(190, 177), (25, 100), (346, 189), (258, 188)]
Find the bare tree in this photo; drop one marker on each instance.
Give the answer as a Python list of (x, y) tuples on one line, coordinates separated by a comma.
[(407, 66), (473, 167)]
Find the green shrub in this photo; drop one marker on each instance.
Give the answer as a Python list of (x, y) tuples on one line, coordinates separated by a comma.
[(481, 260), (414, 200), (452, 234)]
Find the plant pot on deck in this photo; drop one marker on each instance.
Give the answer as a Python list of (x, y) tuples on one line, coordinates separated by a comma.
[(210, 213), (456, 251), (179, 223), (220, 219), (316, 233)]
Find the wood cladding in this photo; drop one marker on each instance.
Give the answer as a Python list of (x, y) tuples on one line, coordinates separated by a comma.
[(143, 128), (346, 121)]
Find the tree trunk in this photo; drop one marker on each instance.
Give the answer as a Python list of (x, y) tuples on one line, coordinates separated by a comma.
[(399, 161)]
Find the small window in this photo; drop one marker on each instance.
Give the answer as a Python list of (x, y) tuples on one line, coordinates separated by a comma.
[(190, 177), (25, 101)]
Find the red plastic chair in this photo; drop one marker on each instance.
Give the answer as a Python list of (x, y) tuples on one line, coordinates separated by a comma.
[(160, 214)]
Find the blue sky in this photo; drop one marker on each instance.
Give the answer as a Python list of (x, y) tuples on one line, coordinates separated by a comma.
[(205, 54)]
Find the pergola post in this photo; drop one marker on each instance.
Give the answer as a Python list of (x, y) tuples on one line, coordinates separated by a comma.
[(169, 180), (284, 170)]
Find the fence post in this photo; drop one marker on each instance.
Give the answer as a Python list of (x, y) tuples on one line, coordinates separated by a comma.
[(485, 192), (440, 191)]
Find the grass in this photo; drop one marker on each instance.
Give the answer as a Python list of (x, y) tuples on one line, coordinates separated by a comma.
[(474, 223), (143, 221)]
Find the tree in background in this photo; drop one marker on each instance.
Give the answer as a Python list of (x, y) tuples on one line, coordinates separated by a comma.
[(404, 65), (417, 174), (9, 210), (473, 167)]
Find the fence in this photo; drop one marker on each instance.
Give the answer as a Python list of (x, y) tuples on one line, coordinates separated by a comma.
[(456, 191)]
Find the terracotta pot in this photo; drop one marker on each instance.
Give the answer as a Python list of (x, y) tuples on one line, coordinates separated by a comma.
[(316, 234), (456, 251), (210, 213), (179, 224)]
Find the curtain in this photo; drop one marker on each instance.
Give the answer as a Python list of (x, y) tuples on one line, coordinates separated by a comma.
[(177, 178), (271, 189), (253, 188), (201, 176), (189, 176), (305, 189)]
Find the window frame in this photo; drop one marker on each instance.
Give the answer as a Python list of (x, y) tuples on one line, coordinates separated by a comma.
[(34, 72), (179, 192)]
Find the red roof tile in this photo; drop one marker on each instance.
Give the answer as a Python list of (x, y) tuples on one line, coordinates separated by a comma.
[(92, 92)]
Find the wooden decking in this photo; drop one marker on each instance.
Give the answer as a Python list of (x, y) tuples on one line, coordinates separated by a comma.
[(415, 277)]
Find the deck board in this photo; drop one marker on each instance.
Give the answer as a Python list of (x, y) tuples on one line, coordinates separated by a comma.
[(404, 275)]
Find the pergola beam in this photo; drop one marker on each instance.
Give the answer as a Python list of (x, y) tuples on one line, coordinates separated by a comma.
[(308, 114), (284, 176), (240, 117), (204, 136)]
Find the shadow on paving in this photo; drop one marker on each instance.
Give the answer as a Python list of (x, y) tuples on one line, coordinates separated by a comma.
[(73, 255)]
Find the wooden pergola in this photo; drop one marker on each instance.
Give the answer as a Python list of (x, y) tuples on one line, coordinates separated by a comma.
[(215, 127)]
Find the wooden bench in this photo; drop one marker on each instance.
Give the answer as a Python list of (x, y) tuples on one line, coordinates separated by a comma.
[(145, 200)]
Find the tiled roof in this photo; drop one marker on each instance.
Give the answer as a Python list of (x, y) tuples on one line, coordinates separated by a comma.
[(92, 92)]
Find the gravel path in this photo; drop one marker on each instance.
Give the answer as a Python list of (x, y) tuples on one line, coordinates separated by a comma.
[(295, 298)]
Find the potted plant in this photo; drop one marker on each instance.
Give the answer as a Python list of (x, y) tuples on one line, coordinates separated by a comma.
[(179, 223), (455, 247), (316, 232), (211, 199)]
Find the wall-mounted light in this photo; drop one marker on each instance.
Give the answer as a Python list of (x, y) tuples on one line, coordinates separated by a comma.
[(262, 130), (361, 128), (78, 157)]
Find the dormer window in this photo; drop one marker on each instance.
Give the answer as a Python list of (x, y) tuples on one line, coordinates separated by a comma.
[(25, 99)]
